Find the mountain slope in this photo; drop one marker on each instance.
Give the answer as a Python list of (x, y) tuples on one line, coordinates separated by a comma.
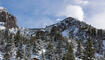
[(69, 39), (78, 31)]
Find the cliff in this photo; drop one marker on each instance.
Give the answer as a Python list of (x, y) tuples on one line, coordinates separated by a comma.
[(6, 19)]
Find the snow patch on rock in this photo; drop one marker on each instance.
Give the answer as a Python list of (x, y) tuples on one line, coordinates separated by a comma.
[(2, 9), (2, 27)]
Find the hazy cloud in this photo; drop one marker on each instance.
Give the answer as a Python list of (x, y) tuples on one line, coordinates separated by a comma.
[(37, 13), (83, 2), (98, 20), (96, 13), (72, 11)]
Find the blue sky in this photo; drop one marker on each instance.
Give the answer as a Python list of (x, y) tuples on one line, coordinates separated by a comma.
[(39, 13)]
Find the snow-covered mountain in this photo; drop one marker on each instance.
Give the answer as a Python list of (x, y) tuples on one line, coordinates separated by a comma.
[(69, 39), (6, 19)]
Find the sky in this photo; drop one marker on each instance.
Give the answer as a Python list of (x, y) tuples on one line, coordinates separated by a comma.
[(39, 13)]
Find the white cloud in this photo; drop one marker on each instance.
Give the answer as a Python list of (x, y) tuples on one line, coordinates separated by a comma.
[(58, 19), (72, 11), (95, 13), (98, 20), (1, 8), (43, 22), (83, 2), (29, 22)]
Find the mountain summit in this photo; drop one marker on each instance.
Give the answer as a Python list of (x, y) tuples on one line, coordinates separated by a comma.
[(69, 39), (6, 19)]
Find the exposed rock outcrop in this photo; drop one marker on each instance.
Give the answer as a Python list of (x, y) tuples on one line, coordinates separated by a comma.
[(53, 42), (8, 20)]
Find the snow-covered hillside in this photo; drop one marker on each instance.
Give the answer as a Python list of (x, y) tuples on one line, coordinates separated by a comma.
[(2, 25), (68, 39)]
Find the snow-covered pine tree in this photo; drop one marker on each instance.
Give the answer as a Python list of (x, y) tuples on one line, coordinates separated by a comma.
[(28, 51), (70, 54), (79, 52), (89, 53)]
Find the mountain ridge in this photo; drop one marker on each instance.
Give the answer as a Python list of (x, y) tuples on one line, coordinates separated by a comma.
[(69, 39), (65, 24)]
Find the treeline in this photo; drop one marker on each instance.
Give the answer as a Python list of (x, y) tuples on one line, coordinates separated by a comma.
[(51, 46)]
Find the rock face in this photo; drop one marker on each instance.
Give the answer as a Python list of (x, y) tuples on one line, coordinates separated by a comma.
[(74, 31), (8, 20), (71, 24)]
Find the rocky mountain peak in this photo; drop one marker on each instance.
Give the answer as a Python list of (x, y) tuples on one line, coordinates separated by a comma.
[(69, 39), (6, 19), (3, 9), (75, 27)]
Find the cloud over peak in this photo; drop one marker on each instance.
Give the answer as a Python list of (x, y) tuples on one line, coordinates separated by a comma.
[(73, 11)]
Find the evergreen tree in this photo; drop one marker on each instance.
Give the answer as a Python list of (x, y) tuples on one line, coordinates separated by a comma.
[(79, 52), (8, 47), (49, 51), (100, 46), (70, 54), (43, 56), (34, 50), (89, 50), (19, 44), (20, 53), (28, 51), (60, 38), (7, 52), (7, 56), (17, 39)]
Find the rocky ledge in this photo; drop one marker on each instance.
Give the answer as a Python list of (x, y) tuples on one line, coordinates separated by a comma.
[(6, 19)]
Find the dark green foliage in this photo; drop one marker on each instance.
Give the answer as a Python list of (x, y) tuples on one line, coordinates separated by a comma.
[(34, 48), (54, 30), (79, 52), (89, 53), (19, 53), (32, 40), (49, 51), (60, 45), (17, 39), (55, 45), (70, 54), (19, 44), (7, 56), (49, 46), (8, 47), (100, 47), (33, 44), (28, 51)]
